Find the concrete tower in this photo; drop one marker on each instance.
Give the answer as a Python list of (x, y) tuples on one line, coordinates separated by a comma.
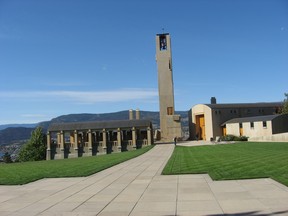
[(170, 123)]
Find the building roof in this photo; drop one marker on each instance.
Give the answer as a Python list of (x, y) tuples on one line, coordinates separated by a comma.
[(244, 105), (251, 119), (99, 125)]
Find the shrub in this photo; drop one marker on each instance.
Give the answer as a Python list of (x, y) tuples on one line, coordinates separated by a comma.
[(241, 138), (230, 137)]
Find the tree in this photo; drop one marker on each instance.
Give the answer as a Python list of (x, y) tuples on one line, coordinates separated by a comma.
[(7, 158), (35, 148), (285, 106)]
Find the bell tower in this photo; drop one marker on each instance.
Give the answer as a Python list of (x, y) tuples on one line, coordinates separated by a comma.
[(170, 123)]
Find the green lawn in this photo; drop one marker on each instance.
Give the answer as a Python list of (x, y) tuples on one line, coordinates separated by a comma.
[(235, 161), (22, 173)]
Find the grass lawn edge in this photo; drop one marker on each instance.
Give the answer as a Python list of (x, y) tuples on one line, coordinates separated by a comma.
[(27, 172), (179, 165)]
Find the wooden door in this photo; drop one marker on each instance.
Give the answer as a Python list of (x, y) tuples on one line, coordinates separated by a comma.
[(224, 131), (200, 127), (241, 129)]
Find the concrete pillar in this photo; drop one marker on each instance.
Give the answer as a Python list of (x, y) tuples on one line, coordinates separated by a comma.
[(134, 137), (89, 152), (119, 139), (104, 142), (62, 140), (58, 146), (137, 114), (149, 140), (130, 114), (48, 153), (76, 143)]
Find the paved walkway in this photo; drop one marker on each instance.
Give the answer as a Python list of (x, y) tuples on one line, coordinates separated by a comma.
[(136, 187)]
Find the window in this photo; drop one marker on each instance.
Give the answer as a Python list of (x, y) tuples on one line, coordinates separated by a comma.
[(240, 125), (251, 125), (169, 110), (264, 124), (163, 42)]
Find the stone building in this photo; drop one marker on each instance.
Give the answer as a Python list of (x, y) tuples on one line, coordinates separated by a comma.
[(258, 127), (170, 124), (79, 139), (206, 120)]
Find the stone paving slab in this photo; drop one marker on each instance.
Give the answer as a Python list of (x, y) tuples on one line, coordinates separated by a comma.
[(136, 187)]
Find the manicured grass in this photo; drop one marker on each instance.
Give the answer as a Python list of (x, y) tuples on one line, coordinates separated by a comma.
[(234, 161), (22, 173)]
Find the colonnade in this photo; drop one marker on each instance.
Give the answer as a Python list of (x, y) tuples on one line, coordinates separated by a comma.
[(80, 143)]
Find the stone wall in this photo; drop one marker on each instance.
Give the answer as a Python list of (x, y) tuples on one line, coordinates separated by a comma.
[(283, 137)]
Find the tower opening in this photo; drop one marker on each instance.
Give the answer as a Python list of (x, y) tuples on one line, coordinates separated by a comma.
[(163, 42), (170, 111)]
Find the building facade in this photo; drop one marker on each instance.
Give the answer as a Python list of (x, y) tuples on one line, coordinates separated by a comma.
[(170, 124), (206, 120), (257, 126), (80, 139)]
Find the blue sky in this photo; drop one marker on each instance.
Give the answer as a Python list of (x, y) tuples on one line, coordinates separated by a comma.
[(61, 57)]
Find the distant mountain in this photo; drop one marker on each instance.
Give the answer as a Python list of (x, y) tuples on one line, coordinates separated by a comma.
[(122, 115), (18, 125), (12, 134)]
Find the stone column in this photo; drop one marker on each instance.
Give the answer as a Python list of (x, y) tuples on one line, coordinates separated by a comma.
[(89, 152), (149, 141), (104, 142), (58, 144), (62, 145), (76, 143), (119, 139), (134, 137), (48, 153)]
